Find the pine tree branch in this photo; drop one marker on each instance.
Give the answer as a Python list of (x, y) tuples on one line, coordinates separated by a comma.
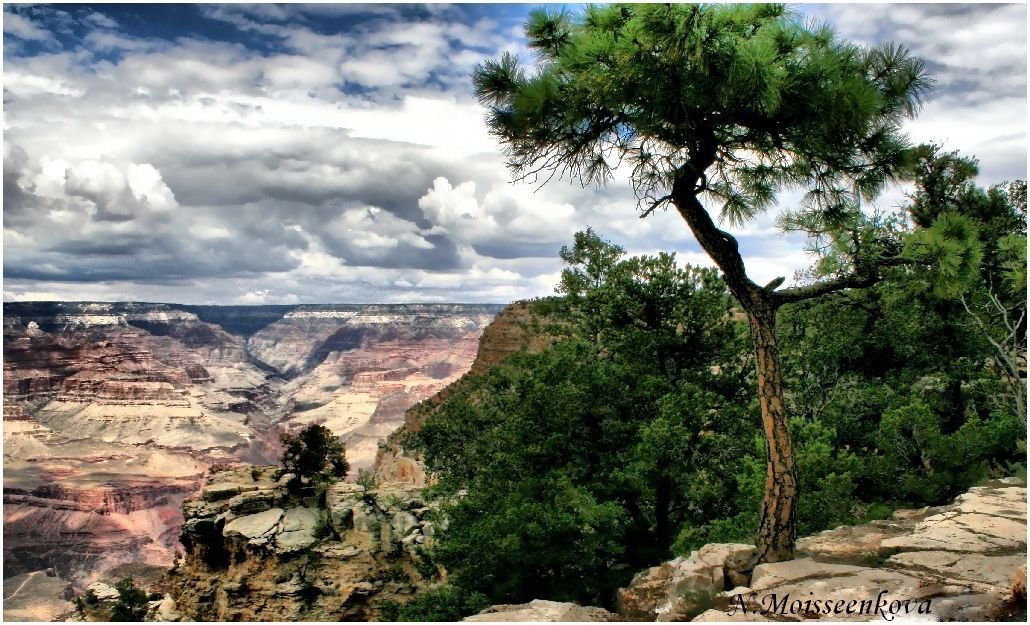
[(801, 293)]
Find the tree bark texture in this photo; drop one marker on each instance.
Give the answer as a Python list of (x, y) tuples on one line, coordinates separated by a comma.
[(777, 529)]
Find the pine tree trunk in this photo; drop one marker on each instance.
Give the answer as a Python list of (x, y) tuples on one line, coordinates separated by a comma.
[(777, 529)]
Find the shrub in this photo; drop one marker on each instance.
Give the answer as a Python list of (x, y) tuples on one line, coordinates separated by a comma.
[(446, 603)]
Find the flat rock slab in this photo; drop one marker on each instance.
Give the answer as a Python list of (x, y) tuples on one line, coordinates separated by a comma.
[(956, 562), (769, 575), (539, 610), (297, 529), (958, 531), (992, 571), (254, 525), (1007, 502), (853, 543)]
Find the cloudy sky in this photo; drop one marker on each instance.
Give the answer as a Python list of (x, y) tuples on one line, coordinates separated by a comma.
[(335, 153)]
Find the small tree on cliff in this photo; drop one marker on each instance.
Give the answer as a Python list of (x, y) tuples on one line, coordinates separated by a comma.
[(132, 602), (729, 104), (313, 456)]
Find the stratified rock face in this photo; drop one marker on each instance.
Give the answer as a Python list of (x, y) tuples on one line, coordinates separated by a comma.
[(519, 326), (256, 552), (113, 412), (358, 369), (956, 562), (539, 610)]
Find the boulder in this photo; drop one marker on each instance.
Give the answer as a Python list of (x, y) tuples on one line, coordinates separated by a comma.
[(675, 590), (298, 529), (253, 525), (340, 500), (103, 592), (539, 610), (166, 611)]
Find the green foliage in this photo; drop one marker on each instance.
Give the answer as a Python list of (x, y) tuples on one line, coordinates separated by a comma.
[(314, 456), (131, 604), (425, 564), (395, 573), (445, 603), (90, 598), (389, 611), (615, 436), (951, 249), (925, 464), (322, 529), (367, 479)]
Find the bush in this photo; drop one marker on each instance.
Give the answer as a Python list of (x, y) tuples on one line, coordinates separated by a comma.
[(367, 479), (446, 603), (389, 611)]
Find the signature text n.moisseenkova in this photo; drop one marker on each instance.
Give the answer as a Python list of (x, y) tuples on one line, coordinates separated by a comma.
[(772, 603)]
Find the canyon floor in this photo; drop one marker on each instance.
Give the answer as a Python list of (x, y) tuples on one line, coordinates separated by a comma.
[(113, 413)]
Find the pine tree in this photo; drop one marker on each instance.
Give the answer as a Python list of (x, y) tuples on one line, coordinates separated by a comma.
[(725, 105)]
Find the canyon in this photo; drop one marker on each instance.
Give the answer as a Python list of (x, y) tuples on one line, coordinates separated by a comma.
[(115, 412)]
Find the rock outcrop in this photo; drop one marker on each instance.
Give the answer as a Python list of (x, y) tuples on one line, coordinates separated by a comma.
[(539, 610), (256, 552), (962, 561)]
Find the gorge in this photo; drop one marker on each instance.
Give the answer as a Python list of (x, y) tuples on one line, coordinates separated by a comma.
[(114, 412)]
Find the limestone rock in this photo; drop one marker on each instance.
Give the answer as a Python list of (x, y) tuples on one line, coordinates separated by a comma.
[(340, 500), (539, 610), (253, 501), (962, 561), (298, 529), (254, 525), (684, 587), (1018, 588), (103, 592), (167, 611), (958, 531)]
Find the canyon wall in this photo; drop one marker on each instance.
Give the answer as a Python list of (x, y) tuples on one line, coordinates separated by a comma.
[(114, 412)]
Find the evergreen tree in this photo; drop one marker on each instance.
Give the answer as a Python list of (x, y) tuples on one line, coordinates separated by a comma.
[(727, 104), (583, 463), (313, 456), (131, 605)]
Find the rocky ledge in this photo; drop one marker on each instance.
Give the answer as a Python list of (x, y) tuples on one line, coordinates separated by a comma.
[(961, 562), (964, 561), (256, 552)]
